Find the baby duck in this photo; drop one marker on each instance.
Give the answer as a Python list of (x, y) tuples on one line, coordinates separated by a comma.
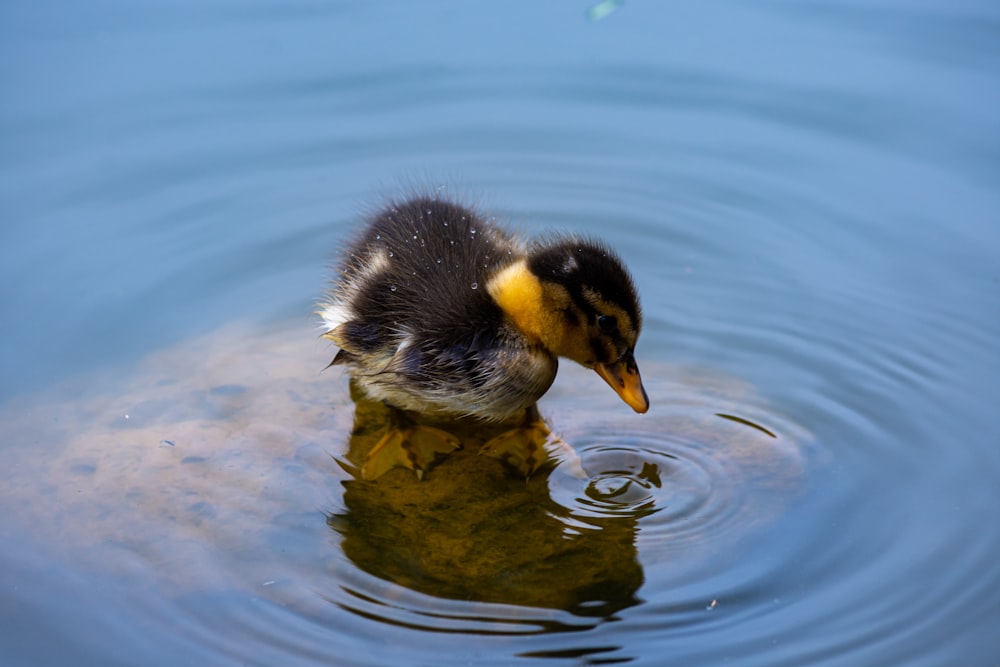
[(441, 312)]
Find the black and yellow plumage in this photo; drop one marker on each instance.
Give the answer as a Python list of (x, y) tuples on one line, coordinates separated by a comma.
[(439, 311)]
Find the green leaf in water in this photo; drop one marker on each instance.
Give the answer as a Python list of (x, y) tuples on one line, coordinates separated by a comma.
[(603, 8)]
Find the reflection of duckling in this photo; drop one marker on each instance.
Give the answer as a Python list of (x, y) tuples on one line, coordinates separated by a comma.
[(440, 312)]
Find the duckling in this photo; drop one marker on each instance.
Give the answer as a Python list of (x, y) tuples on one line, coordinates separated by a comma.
[(441, 312)]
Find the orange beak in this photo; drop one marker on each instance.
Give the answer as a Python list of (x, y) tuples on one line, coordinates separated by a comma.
[(623, 376)]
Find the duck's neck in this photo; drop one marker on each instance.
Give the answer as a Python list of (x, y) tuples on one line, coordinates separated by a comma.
[(533, 307)]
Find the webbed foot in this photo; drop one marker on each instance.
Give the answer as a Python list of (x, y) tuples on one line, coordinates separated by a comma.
[(531, 446), (408, 445)]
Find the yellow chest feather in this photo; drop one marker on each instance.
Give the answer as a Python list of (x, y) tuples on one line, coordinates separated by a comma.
[(526, 301)]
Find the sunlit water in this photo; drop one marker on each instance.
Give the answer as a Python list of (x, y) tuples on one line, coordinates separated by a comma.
[(806, 194)]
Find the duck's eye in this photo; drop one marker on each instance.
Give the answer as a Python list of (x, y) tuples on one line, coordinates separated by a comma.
[(607, 323)]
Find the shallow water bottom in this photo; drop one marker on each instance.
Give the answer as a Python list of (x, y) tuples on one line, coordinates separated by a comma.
[(211, 493)]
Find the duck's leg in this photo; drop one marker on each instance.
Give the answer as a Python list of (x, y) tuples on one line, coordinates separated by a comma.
[(531, 445), (408, 445)]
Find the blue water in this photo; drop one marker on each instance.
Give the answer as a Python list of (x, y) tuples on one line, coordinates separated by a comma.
[(806, 194)]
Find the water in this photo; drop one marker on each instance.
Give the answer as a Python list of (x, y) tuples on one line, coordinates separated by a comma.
[(806, 194)]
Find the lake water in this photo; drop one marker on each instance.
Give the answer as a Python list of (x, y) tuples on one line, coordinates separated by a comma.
[(806, 193)]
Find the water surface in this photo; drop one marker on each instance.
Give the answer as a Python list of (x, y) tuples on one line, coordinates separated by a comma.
[(806, 194)]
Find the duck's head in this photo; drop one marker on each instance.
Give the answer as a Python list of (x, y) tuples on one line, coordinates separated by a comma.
[(578, 300)]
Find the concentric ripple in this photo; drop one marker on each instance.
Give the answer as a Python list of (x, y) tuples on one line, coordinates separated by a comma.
[(676, 490), (635, 475)]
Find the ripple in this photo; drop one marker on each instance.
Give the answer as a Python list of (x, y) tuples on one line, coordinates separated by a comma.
[(374, 599), (677, 490)]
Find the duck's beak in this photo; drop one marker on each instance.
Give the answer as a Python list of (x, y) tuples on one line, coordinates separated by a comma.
[(623, 376)]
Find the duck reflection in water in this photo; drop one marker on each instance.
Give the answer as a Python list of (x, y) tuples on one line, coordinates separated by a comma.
[(476, 530)]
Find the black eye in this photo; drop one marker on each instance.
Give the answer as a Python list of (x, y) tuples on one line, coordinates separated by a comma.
[(607, 323)]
